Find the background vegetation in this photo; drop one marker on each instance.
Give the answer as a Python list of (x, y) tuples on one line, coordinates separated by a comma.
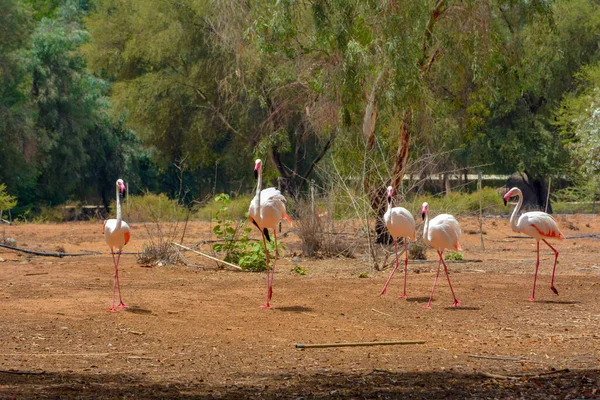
[(179, 97)]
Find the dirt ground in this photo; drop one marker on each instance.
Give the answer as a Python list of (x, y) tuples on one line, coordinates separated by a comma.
[(193, 333)]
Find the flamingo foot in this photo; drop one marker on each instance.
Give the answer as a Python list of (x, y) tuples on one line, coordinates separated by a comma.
[(266, 306), (456, 303), (122, 305), (554, 290), (112, 309), (428, 306), (531, 299), (402, 296)]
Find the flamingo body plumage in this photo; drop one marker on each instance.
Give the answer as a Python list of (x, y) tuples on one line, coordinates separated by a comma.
[(442, 232), (117, 234), (266, 210), (400, 223), (540, 226)]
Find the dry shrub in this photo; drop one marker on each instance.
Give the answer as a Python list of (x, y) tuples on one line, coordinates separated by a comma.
[(417, 251), (310, 228), (158, 250), (315, 240)]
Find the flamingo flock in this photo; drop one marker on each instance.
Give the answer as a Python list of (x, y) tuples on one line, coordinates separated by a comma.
[(268, 208)]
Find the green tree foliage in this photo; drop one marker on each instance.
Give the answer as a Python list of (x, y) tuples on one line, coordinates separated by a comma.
[(16, 133), (6, 201), (78, 143)]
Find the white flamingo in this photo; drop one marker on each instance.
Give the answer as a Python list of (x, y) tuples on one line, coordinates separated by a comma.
[(267, 209), (400, 223), (442, 232), (540, 226), (117, 235)]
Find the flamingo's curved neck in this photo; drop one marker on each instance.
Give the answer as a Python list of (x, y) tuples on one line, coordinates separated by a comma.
[(513, 217), (258, 187), (426, 228), (119, 216)]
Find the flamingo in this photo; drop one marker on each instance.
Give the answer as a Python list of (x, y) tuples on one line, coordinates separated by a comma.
[(400, 223), (538, 225), (442, 232), (116, 234), (267, 209)]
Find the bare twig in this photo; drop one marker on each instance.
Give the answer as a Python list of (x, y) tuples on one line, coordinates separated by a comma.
[(357, 344), (207, 256), (15, 372), (380, 312), (498, 376), (47, 254)]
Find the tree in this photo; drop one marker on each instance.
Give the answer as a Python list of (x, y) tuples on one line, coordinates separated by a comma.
[(16, 122)]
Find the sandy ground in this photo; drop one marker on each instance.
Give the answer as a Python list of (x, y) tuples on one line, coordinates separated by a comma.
[(195, 333)]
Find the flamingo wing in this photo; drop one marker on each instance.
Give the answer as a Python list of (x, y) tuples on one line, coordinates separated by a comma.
[(401, 223), (445, 232), (539, 225)]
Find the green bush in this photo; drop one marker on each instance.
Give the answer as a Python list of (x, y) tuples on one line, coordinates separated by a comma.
[(454, 256), (151, 208), (234, 242), (237, 208)]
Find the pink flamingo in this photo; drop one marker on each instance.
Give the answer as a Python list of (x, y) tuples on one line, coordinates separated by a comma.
[(116, 234), (267, 209), (400, 223), (540, 226), (442, 232)]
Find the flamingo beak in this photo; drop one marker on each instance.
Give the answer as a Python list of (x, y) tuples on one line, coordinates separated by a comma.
[(423, 216), (255, 173), (505, 202)]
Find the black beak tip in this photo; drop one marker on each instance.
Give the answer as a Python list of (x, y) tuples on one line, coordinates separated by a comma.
[(423, 216), (505, 202), (255, 174)]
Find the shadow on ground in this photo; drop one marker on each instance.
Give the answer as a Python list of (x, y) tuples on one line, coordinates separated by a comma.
[(376, 384)]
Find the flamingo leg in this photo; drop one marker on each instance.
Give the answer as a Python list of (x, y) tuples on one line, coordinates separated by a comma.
[(456, 302), (393, 271), (553, 268), (266, 305), (434, 282), (403, 295), (274, 263), (121, 304), (112, 308), (537, 265)]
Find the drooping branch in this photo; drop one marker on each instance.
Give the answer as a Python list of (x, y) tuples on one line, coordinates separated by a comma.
[(426, 61), (213, 108), (403, 150)]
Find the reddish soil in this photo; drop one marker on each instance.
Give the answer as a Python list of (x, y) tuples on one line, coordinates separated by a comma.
[(194, 333)]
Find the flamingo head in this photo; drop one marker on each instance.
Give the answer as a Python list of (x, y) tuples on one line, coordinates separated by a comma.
[(121, 186), (390, 192), (512, 192), (257, 167), (424, 210)]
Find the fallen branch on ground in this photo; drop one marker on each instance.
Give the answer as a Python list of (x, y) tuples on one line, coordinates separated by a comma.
[(238, 268), (529, 376), (357, 344), (49, 254), (14, 372), (380, 312)]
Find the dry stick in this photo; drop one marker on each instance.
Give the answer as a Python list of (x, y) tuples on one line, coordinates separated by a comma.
[(207, 256), (9, 371), (479, 187), (498, 376), (496, 358), (46, 254), (447, 261), (380, 312), (357, 344)]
